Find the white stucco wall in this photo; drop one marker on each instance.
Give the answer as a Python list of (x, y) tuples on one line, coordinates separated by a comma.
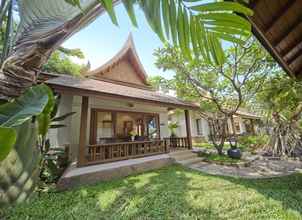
[(70, 135), (179, 117), (61, 136), (181, 130), (242, 125)]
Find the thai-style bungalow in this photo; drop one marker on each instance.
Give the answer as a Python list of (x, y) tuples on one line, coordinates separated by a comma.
[(118, 115), (245, 123)]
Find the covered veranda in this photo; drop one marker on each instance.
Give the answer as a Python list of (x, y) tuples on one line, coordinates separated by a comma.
[(109, 135)]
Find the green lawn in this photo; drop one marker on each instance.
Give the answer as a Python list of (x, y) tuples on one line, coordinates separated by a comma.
[(171, 193)]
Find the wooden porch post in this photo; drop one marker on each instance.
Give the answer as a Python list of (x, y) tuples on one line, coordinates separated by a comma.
[(253, 126), (188, 128), (83, 132)]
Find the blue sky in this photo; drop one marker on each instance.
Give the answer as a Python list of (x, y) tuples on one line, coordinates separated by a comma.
[(101, 40)]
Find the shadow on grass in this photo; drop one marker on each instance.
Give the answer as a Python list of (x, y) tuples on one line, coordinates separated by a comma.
[(171, 193), (287, 190), (161, 194)]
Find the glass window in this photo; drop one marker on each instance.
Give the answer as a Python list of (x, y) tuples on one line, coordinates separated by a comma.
[(237, 126), (198, 126), (104, 126), (152, 127)]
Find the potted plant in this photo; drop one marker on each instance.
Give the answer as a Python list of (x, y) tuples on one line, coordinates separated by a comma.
[(172, 126), (133, 134), (234, 152)]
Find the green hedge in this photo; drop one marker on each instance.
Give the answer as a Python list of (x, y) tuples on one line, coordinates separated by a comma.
[(253, 142)]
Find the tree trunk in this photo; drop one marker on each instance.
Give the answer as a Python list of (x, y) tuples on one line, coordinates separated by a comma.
[(218, 133), (285, 139), (14, 80)]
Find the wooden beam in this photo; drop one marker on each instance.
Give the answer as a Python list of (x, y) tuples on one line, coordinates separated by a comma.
[(288, 30), (292, 46), (269, 47), (298, 72), (188, 128), (294, 57), (281, 12), (102, 95), (93, 127), (83, 132)]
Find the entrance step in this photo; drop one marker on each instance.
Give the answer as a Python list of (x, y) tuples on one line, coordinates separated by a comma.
[(76, 176), (191, 161), (179, 152), (185, 157)]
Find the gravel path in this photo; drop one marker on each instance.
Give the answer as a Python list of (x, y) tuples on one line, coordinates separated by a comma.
[(258, 169)]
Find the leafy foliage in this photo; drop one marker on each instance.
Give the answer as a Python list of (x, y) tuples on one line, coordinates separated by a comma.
[(192, 25), (54, 159), (280, 94), (253, 143), (220, 90), (219, 159), (8, 138), (161, 84), (15, 113), (60, 62), (281, 99), (172, 126)]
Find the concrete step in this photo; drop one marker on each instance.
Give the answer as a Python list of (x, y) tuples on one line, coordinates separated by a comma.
[(179, 152), (75, 176), (190, 161), (184, 157)]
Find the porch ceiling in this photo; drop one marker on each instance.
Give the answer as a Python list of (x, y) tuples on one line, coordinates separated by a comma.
[(278, 26), (92, 87)]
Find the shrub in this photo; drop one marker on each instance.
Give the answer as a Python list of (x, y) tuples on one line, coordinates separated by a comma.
[(253, 142)]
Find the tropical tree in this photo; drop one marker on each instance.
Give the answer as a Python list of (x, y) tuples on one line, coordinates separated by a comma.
[(34, 29), (161, 84), (44, 25), (281, 97), (220, 89), (60, 62)]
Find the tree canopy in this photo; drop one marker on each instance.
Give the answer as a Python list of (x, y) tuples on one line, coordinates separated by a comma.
[(221, 88), (61, 62)]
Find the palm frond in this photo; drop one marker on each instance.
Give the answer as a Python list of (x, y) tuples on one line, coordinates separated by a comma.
[(193, 25)]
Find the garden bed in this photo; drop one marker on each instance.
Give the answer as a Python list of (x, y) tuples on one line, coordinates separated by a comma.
[(212, 157)]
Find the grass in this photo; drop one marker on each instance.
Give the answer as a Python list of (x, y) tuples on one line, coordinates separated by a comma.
[(214, 157), (171, 193)]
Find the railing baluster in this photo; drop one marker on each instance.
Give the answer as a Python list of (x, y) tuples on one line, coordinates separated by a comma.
[(103, 153)]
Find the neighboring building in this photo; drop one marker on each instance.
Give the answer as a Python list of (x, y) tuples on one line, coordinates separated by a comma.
[(244, 123), (112, 102)]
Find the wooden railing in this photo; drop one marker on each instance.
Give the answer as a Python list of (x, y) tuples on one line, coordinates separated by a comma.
[(177, 142), (103, 153)]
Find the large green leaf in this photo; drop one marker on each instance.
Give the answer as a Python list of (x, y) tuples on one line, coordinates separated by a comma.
[(166, 17), (8, 138), (108, 5), (30, 104), (173, 21), (130, 10), (44, 119), (223, 6)]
